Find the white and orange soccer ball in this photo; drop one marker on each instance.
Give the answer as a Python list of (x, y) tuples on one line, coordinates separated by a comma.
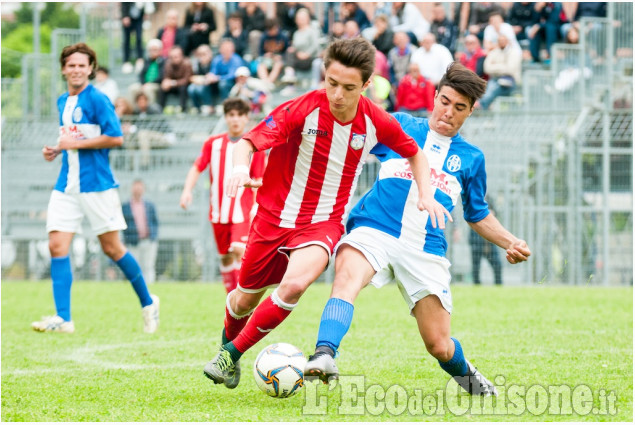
[(279, 370)]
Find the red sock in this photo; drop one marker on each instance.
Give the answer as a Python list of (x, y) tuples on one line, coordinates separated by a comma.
[(227, 275), (267, 316), (235, 274), (233, 323)]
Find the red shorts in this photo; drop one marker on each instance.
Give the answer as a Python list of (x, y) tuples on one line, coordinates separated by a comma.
[(267, 254), (228, 234)]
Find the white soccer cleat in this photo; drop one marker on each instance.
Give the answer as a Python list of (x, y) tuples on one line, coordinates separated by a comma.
[(151, 316), (475, 383), (54, 324)]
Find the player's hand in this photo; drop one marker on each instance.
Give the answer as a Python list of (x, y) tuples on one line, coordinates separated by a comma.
[(518, 252), (240, 179), (435, 210), (50, 153), (66, 142), (186, 200)]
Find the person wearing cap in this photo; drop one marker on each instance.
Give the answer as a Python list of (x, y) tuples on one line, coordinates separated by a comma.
[(253, 90)]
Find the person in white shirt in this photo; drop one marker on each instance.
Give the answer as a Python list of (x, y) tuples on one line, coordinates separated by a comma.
[(406, 17), (497, 25), (503, 65), (433, 58)]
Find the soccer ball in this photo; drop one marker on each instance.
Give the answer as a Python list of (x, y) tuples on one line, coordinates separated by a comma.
[(279, 370)]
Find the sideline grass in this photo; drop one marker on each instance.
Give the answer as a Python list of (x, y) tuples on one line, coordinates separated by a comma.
[(109, 370)]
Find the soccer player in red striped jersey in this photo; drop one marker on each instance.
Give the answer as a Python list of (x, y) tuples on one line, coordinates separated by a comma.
[(230, 217), (319, 143)]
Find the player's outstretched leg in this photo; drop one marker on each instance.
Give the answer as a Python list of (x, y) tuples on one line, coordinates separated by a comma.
[(466, 375), (149, 303), (336, 320), (62, 277), (266, 317)]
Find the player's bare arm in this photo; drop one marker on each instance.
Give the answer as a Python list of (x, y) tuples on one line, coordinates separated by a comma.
[(243, 151), (66, 142), (492, 230), (421, 173), (190, 182)]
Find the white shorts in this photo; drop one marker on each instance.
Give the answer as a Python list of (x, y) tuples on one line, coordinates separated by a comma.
[(417, 273), (103, 210)]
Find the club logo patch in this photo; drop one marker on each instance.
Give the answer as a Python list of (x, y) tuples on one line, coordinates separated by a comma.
[(453, 163), (77, 114), (270, 122), (357, 141)]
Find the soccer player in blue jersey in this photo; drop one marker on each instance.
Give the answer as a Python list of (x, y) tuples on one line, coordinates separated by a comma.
[(390, 239), (86, 187)]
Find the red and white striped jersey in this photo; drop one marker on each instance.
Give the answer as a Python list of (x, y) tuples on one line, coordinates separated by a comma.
[(217, 154), (316, 160)]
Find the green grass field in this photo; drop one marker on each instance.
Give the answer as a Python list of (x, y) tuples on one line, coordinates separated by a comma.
[(530, 339)]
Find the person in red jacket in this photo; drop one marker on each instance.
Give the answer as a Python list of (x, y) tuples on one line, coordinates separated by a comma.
[(472, 56), (414, 93)]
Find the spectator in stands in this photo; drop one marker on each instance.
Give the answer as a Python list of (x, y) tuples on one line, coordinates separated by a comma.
[(472, 56), (143, 227), (176, 77), (254, 23), (351, 10), (546, 28), (143, 107), (200, 90), (433, 58), (199, 23), (503, 65), (445, 31), (414, 93), (380, 34), (171, 34), (591, 9), (351, 29), (474, 17), (132, 14), (224, 66), (230, 217), (304, 48), (238, 35), (522, 16), (150, 75), (252, 90), (337, 31), (399, 56), (122, 107), (406, 17), (105, 84), (285, 12), (273, 46), (497, 26)]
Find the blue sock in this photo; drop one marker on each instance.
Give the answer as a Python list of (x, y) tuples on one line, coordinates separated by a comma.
[(457, 366), (62, 276), (336, 319), (132, 271)]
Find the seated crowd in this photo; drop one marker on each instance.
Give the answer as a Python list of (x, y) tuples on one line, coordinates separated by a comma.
[(259, 55)]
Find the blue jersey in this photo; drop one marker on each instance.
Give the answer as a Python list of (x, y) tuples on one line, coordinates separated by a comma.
[(456, 168), (85, 116)]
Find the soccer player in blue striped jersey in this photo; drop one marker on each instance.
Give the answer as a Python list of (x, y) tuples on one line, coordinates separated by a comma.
[(87, 188), (390, 239)]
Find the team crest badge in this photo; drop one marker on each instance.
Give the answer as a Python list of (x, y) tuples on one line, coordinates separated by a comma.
[(357, 141), (453, 163), (77, 114)]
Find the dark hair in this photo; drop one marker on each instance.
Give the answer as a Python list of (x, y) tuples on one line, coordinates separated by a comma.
[(80, 48), (495, 13), (140, 95), (270, 23), (235, 15), (102, 69), (464, 81), (353, 53), (236, 104)]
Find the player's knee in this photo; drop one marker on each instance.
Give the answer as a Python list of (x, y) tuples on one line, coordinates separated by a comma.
[(57, 248), (243, 303), (290, 290), (439, 348)]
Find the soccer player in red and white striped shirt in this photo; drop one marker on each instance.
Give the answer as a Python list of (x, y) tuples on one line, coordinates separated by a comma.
[(319, 143), (230, 217)]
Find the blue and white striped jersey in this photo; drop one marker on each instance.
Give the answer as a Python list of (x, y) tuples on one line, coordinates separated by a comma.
[(84, 116), (456, 168)]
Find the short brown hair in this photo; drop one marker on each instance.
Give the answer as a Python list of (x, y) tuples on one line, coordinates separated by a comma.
[(353, 53), (236, 104), (464, 81), (80, 48)]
